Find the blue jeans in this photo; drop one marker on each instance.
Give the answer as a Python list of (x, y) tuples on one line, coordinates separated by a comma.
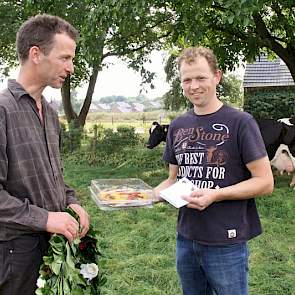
[(208, 270)]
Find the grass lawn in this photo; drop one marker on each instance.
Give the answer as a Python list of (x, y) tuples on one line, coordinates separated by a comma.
[(139, 244)]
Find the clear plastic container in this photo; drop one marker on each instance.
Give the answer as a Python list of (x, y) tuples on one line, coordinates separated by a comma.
[(110, 194)]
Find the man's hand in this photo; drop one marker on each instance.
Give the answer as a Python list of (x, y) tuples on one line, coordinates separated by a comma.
[(84, 219), (156, 197), (201, 198), (63, 223)]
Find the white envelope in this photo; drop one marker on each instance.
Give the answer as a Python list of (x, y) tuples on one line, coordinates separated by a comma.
[(173, 193)]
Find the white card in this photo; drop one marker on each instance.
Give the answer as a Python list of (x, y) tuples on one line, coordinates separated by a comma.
[(173, 193)]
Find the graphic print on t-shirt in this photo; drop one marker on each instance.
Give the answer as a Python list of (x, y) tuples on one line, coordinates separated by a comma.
[(200, 154)]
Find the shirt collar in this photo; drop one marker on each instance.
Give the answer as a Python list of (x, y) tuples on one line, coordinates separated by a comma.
[(18, 90)]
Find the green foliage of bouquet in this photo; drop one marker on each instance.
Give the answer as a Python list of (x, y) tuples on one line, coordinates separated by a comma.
[(71, 268)]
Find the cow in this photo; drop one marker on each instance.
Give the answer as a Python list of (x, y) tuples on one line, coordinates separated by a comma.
[(275, 133), (283, 161), (158, 133), (279, 140)]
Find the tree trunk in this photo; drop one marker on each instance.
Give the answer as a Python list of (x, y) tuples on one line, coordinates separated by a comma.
[(71, 116), (88, 99), (288, 57), (66, 100)]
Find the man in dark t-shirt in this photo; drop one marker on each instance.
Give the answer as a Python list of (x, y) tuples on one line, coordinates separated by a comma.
[(221, 151)]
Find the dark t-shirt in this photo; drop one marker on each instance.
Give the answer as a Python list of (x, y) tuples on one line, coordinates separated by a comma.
[(212, 151)]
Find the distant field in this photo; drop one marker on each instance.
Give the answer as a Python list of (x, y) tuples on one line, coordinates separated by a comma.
[(137, 120)]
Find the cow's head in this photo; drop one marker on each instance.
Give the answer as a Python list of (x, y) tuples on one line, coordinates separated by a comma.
[(158, 133)]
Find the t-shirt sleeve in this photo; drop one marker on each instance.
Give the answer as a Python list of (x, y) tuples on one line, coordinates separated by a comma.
[(250, 141), (169, 155)]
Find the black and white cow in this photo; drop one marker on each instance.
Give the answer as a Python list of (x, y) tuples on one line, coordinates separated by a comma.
[(282, 155), (275, 133), (158, 133)]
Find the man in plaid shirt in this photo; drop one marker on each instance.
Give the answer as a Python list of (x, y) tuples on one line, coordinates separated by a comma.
[(33, 194)]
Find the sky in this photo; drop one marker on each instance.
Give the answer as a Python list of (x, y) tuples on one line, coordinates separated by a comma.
[(117, 79)]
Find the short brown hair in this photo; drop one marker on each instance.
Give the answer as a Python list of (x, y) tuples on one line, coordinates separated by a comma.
[(40, 31), (190, 54)]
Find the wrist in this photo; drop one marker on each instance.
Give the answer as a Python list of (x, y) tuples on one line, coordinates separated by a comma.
[(218, 195), (156, 196)]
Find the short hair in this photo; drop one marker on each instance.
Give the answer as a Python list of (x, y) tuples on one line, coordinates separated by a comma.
[(40, 31), (190, 54)]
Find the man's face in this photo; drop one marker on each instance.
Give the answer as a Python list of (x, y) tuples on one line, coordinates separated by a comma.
[(58, 63), (199, 82)]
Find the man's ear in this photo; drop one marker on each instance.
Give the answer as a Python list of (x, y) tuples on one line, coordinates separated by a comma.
[(35, 54), (218, 76)]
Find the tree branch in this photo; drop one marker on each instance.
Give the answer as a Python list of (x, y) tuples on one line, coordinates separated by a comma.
[(262, 31), (282, 20), (126, 51)]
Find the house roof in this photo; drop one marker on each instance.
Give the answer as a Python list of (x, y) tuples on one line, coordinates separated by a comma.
[(122, 109), (104, 106), (123, 104), (138, 107), (265, 73), (93, 107)]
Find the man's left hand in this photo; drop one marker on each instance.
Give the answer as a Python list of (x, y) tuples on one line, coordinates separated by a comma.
[(84, 218)]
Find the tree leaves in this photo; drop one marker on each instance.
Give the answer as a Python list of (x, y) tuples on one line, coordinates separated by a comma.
[(129, 29)]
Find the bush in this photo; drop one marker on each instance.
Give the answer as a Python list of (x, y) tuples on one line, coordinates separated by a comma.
[(272, 103), (98, 134), (136, 156), (113, 141), (106, 147), (71, 138)]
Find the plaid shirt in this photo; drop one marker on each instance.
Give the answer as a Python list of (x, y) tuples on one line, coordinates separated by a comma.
[(31, 181)]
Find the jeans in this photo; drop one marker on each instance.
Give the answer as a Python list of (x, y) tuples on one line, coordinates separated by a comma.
[(20, 260), (208, 270)]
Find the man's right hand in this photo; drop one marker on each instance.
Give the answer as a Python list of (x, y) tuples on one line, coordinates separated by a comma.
[(63, 223)]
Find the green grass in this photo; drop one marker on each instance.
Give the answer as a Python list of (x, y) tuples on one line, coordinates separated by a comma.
[(139, 244), (272, 261)]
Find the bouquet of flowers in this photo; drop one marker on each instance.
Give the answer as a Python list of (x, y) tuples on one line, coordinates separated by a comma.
[(71, 268)]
